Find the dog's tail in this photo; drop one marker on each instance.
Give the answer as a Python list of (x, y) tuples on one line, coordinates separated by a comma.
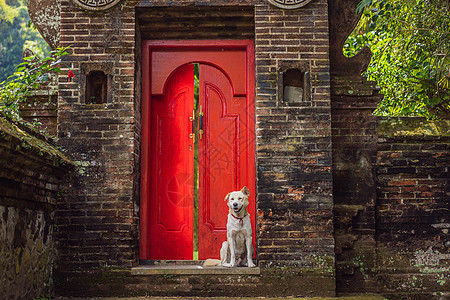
[(223, 257), (212, 262)]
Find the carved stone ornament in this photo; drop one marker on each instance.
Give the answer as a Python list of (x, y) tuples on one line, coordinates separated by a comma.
[(289, 4), (96, 4)]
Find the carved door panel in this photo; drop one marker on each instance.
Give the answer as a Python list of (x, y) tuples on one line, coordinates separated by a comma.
[(172, 168), (226, 156)]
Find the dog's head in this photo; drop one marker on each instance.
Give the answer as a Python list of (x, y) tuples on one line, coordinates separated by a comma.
[(238, 201)]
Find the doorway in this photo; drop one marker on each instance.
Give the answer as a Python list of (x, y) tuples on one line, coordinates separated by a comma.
[(194, 151)]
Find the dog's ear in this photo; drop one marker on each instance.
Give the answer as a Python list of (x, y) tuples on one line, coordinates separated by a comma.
[(227, 196), (245, 191)]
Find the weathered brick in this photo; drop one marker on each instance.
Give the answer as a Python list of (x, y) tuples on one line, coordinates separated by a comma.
[(311, 155)]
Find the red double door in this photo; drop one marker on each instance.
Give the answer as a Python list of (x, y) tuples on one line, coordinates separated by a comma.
[(226, 157)]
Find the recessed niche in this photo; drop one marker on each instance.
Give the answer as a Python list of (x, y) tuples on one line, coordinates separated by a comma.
[(293, 84), (96, 84), (96, 87)]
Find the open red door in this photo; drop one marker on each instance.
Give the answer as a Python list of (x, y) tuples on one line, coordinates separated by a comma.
[(172, 168), (226, 155)]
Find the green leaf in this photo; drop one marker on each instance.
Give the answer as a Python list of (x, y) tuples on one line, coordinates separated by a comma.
[(362, 5), (29, 76)]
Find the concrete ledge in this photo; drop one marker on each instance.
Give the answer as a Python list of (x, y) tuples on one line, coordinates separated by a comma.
[(192, 270)]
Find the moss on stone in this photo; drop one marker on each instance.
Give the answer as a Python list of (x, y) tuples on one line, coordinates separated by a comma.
[(24, 140), (412, 126)]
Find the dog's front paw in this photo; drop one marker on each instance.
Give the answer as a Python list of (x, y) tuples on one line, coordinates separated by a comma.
[(251, 265), (227, 265)]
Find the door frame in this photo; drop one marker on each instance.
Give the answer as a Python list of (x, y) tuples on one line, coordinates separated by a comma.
[(147, 47)]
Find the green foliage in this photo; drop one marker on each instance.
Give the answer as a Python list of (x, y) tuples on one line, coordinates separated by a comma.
[(410, 42), (29, 75), (196, 84), (8, 11), (16, 34)]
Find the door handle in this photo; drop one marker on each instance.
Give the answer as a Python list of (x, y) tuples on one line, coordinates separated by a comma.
[(200, 131), (192, 134)]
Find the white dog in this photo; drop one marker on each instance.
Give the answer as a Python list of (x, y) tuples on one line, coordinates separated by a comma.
[(237, 251)]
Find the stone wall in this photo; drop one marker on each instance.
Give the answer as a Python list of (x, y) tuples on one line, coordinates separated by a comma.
[(391, 191), (31, 171), (41, 106), (413, 219), (391, 188)]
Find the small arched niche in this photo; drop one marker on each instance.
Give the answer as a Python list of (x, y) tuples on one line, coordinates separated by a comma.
[(96, 87)]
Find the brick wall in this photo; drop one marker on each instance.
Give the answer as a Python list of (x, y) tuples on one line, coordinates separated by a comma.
[(293, 140), (41, 109), (97, 219), (319, 168), (391, 199), (413, 220), (31, 171)]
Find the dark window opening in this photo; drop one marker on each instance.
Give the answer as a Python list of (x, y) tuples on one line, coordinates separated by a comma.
[(96, 87), (295, 85)]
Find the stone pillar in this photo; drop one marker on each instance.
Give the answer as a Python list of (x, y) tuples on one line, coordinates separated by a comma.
[(353, 100)]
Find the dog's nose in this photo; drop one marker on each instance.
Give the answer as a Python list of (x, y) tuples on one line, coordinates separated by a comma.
[(235, 204)]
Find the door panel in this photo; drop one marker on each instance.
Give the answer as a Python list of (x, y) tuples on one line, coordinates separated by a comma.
[(224, 162), (172, 168)]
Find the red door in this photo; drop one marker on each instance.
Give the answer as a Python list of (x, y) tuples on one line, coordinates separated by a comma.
[(226, 148), (226, 155), (172, 168)]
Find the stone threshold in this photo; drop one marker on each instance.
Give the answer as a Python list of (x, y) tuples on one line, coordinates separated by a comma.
[(189, 268)]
